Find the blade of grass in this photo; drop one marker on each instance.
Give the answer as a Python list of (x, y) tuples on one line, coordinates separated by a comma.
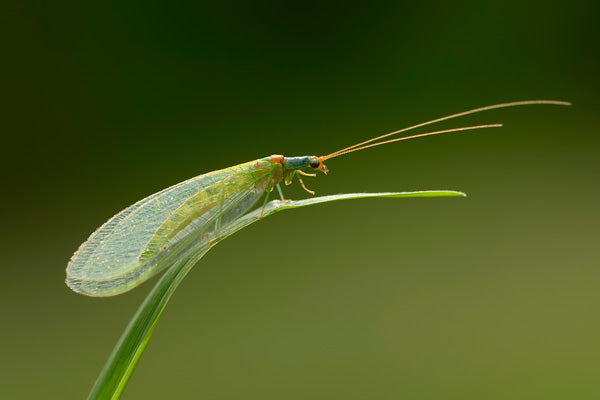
[(122, 362)]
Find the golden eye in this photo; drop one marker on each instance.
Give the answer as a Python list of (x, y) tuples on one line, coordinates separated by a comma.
[(314, 163)]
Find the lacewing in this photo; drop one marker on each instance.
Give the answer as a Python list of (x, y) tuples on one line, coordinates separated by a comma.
[(155, 232)]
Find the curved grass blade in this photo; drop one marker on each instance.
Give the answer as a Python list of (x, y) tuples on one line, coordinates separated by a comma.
[(122, 362)]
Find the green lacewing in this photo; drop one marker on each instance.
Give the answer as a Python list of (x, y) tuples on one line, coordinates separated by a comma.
[(140, 241)]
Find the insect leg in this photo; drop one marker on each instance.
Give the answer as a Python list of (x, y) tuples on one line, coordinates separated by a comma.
[(280, 193), (304, 187), (267, 197), (305, 173), (264, 205)]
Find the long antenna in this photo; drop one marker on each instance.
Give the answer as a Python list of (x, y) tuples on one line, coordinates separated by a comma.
[(465, 128), (476, 110)]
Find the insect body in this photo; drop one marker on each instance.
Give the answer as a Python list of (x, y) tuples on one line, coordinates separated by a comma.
[(127, 249), (150, 235)]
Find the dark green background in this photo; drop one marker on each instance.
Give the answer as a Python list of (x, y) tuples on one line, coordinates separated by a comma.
[(492, 296)]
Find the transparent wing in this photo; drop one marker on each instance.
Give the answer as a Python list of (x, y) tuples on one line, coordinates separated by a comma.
[(146, 237)]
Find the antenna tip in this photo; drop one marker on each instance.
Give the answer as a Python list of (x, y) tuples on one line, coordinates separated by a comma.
[(557, 102)]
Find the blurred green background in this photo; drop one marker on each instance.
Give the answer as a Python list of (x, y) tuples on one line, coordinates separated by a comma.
[(491, 296)]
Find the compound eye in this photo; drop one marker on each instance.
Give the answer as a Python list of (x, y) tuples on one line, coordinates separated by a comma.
[(314, 163)]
